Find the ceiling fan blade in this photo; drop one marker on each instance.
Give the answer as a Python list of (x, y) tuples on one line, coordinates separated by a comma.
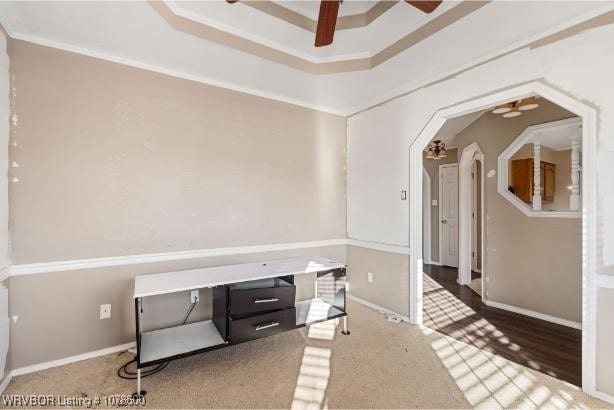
[(327, 21), (427, 6)]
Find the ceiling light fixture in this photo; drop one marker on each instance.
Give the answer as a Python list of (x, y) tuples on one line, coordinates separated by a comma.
[(503, 108), (513, 113), (436, 150), (515, 108), (527, 104)]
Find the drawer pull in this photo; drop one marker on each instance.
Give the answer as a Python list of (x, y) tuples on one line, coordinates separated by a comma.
[(266, 325), (267, 300)]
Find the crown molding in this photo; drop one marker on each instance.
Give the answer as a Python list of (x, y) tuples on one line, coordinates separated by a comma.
[(344, 112), (166, 71), (527, 42)]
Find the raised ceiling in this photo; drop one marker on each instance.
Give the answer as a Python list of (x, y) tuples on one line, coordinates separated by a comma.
[(311, 9), (266, 48), (276, 32)]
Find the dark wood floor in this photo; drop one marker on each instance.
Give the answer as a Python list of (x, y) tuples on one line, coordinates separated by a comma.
[(457, 311)]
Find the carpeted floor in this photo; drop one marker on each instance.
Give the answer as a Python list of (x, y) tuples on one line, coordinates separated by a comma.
[(380, 365)]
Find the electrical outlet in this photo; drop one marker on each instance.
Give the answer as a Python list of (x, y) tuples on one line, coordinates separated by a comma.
[(105, 311), (194, 298), (370, 277)]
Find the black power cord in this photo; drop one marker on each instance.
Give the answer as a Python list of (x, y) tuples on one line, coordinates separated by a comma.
[(126, 374)]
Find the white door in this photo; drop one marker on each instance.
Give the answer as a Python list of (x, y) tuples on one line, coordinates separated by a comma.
[(448, 215)]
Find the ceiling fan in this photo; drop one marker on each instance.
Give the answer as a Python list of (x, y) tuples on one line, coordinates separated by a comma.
[(329, 9)]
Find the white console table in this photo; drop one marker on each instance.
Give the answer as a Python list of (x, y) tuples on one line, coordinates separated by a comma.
[(250, 301)]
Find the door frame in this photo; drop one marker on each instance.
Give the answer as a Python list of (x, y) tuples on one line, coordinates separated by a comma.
[(474, 224), (470, 155), (440, 192), (589, 202), (426, 230)]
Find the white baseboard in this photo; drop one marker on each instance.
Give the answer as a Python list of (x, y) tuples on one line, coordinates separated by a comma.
[(531, 313), (72, 359), (602, 396), (5, 382), (432, 263), (377, 307)]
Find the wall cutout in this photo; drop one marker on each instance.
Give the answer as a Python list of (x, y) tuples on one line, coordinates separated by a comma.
[(539, 173)]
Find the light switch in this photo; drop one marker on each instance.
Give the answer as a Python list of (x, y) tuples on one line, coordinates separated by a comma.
[(434, 202)]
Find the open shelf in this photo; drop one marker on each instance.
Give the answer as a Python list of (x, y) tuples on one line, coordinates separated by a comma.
[(172, 342), (315, 310)]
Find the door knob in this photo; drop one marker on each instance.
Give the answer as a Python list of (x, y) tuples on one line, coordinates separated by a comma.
[(443, 221)]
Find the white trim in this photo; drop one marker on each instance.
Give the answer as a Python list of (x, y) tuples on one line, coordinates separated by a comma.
[(602, 396), (531, 313), (426, 232), (605, 281), (406, 89), (109, 261), (411, 88), (471, 153), (589, 204), (440, 207), (5, 273), (377, 307), (385, 247), (503, 170), (71, 359), (5, 382), (75, 264), (168, 71)]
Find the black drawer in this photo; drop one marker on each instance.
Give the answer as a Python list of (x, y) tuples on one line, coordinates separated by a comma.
[(260, 296), (266, 324)]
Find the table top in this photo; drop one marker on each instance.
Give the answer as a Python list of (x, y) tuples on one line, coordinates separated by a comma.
[(169, 282)]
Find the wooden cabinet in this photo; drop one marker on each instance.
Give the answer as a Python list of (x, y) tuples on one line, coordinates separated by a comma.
[(522, 179)]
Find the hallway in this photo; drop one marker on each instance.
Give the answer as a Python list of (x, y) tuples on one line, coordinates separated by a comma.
[(458, 312)]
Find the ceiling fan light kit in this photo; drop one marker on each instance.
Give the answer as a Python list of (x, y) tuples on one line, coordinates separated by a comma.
[(503, 108), (513, 113), (528, 104), (514, 109)]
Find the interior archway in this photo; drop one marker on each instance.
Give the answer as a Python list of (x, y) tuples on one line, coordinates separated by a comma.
[(589, 121)]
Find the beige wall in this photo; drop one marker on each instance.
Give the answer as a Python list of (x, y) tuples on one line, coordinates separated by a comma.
[(432, 169), (115, 160), (63, 319), (531, 263), (605, 307), (390, 286)]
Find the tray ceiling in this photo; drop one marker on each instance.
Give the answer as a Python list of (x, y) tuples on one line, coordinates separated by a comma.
[(240, 47)]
